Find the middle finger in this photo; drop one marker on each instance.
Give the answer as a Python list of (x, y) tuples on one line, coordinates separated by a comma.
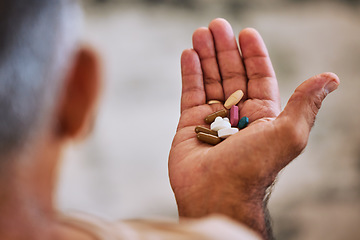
[(228, 56)]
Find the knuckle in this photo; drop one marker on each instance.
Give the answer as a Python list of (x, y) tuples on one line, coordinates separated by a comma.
[(229, 76), (211, 80), (317, 101), (259, 75)]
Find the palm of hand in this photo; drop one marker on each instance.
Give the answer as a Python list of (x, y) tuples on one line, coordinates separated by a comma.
[(192, 164), (231, 177)]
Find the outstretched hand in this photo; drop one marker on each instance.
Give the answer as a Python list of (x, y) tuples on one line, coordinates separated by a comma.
[(231, 177)]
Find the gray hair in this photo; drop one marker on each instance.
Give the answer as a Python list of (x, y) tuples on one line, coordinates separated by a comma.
[(37, 42)]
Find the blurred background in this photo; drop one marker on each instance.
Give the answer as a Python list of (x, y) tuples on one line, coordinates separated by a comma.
[(121, 170)]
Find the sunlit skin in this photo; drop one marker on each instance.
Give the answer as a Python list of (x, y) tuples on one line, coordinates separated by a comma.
[(231, 177)]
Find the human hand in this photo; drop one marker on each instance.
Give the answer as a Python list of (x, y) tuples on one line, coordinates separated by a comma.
[(231, 177)]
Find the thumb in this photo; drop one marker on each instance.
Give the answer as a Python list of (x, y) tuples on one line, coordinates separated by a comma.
[(300, 112)]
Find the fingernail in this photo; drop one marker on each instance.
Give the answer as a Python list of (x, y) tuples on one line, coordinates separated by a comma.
[(331, 86)]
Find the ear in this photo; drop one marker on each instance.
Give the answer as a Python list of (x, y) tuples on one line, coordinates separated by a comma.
[(81, 91)]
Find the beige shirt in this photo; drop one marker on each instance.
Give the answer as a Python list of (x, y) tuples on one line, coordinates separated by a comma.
[(210, 228)]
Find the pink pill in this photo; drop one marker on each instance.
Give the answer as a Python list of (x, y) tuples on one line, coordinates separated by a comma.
[(234, 116)]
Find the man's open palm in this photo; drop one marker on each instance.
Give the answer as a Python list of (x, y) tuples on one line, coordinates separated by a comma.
[(208, 179)]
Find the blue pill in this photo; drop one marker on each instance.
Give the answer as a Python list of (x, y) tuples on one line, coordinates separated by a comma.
[(244, 121)]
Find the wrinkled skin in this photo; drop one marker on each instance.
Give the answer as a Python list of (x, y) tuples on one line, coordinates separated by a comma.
[(231, 177)]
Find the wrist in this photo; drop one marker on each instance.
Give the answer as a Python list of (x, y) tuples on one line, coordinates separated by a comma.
[(246, 207)]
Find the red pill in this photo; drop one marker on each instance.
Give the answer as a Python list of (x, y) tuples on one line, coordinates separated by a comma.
[(234, 116)]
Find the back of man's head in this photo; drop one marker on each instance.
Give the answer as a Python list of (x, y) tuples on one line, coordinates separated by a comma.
[(37, 40)]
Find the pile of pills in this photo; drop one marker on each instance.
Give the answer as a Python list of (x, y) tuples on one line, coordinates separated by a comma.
[(223, 123)]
